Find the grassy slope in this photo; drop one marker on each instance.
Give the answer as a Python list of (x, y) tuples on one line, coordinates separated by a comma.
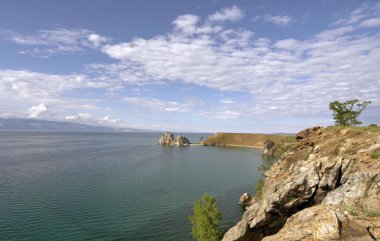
[(238, 139)]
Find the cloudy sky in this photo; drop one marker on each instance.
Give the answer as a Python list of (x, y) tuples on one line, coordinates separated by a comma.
[(234, 66)]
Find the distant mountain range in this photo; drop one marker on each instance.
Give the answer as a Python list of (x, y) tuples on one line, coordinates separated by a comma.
[(44, 125)]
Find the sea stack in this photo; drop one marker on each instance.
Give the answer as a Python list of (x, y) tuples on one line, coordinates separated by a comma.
[(167, 139)]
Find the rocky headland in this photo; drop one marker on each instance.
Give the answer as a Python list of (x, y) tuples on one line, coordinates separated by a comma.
[(325, 187), (244, 139), (168, 139)]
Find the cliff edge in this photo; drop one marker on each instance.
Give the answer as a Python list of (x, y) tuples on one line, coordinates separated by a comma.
[(326, 187)]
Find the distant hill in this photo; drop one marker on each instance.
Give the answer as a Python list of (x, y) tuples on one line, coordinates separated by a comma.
[(44, 125)]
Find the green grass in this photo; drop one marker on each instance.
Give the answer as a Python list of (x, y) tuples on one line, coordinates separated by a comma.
[(375, 154), (259, 188), (355, 129), (352, 211), (373, 213), (282, 147)]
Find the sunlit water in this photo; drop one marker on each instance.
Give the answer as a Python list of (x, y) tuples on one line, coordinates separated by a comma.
[(114, 186)]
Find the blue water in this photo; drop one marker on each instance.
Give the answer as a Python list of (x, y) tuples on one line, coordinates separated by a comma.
[(114, 186)]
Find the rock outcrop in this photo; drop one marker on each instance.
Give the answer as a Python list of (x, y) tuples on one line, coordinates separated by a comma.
[(246, 200), (180, 141), (322, 222), (327, 187), (167, 139), (269, 147)]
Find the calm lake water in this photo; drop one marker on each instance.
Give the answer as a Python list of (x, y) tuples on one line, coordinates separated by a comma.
[(114, 186)]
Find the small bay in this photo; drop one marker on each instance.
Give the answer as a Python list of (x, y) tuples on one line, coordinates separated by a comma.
[(114, 186)]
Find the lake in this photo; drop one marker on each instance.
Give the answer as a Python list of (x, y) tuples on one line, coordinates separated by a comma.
[(114, 186)]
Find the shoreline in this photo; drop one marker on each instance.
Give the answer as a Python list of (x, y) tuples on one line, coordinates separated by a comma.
[(245, 146)]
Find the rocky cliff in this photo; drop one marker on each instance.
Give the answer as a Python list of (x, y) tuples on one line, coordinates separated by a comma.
[(326, 187)]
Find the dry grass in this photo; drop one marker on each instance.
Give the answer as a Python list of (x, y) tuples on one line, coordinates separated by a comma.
[(239, 139)]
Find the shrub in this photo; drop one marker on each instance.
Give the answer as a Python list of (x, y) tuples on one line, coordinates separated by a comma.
[(206, 219)]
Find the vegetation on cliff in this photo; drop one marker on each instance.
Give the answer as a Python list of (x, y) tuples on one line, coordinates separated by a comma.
[(326, 187), (242, 139)]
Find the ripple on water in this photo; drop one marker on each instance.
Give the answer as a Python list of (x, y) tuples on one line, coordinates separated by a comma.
[(114, 186)]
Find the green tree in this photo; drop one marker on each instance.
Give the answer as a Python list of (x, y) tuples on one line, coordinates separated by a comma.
[(346, 113), (206, 219)]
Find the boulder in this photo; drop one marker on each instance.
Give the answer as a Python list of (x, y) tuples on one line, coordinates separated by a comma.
[(245, 200)]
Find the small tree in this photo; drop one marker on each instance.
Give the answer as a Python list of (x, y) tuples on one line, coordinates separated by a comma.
[(206, 219), (346, 113)]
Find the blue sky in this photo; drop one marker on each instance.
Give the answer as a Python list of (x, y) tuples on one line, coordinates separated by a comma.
[(204, 66)]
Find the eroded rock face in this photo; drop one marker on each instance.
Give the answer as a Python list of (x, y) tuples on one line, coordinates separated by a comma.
[(246, 200), (321, 222), (180, 141), (329, 170), (269, 147), (167, 139)]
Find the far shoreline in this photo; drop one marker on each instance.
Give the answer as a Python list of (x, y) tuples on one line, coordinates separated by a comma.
[(245, 146)]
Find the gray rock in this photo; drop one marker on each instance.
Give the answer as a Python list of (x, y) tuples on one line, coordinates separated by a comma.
[(326, 188), (167, 139), (246, 200), (269, 147), (322, 222), (180, 141)]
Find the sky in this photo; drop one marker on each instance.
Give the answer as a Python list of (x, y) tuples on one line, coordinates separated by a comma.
[(262, 66)]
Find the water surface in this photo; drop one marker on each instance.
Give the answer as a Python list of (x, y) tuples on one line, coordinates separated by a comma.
[(114, 186)]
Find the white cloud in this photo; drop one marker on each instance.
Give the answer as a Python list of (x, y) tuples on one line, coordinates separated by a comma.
[(37, 110), (227, 101), (96, 39), (373, 22), (355, 16), (158, 105), (227, 14), (47, 42), (186, 23), (107, 119), (281, 20), (293, 77), (289, 44), (27, 85), (223, 114), (86, 118), (337, 63)]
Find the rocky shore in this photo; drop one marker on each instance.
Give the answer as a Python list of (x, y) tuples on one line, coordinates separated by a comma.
[(326, 187)]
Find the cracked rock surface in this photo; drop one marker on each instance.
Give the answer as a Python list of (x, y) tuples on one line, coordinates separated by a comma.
[(327, 187)]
